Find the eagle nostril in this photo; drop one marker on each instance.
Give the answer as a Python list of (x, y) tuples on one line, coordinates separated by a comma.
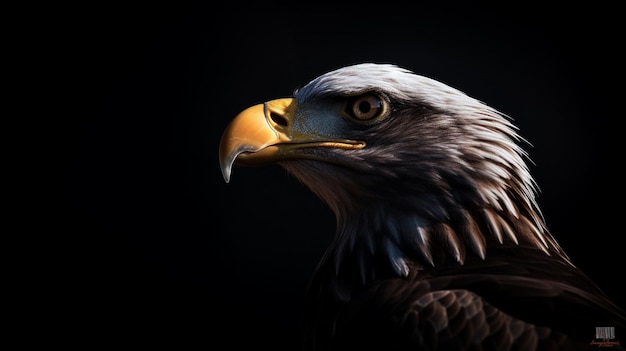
[(278, 119)]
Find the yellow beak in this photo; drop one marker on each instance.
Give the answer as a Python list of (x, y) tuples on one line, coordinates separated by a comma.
[(250, 136), (265, 133)]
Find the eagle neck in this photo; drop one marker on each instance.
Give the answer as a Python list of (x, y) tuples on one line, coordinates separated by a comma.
[(387, 241)]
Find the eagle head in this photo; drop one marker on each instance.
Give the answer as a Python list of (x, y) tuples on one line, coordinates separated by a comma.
[(415, 171)]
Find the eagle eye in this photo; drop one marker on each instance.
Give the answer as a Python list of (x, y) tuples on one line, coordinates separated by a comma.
[(366, 107)]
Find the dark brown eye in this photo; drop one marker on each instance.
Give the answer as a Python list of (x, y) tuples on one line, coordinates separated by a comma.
[(365, 107)]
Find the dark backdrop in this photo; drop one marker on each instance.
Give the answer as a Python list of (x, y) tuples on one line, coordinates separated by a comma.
[(142, 240)]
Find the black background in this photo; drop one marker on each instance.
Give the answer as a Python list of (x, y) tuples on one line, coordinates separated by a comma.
[(141, 240)]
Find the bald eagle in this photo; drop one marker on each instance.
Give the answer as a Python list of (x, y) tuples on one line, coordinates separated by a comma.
[(440, 244)]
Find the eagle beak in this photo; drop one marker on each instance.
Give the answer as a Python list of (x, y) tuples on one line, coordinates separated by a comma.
[(252, 138), (266, 133)]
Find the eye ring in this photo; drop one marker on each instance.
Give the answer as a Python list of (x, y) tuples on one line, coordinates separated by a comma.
[(366, 107)]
